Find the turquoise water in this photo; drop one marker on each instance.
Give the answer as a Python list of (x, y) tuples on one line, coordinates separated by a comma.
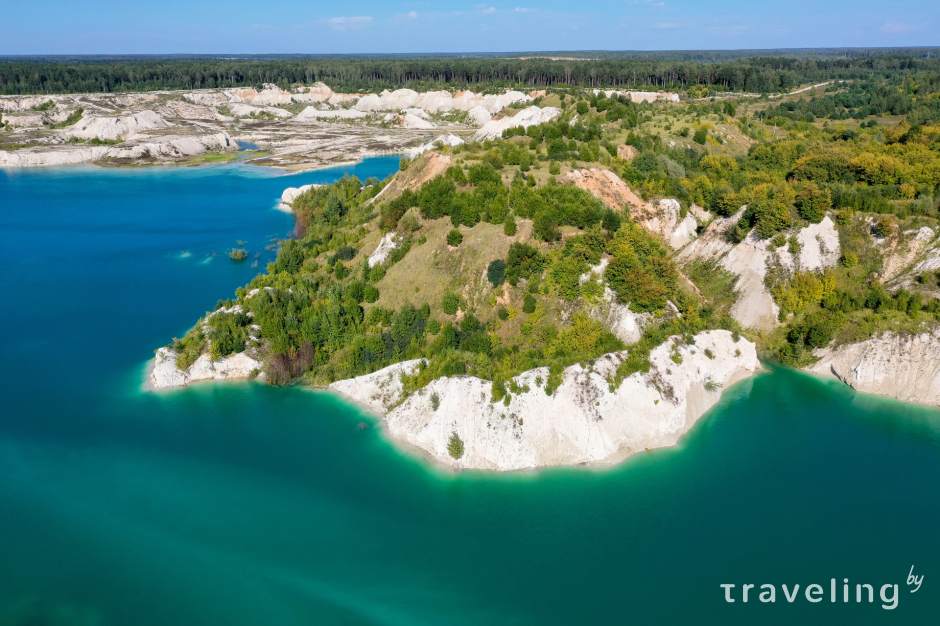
[(238, 504)]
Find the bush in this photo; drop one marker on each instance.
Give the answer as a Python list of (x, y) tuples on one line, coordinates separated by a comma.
[(450, 303), (455, 446), (849, 259), (238, 254), (884, 227), (454, 238), (370, 294), (509, 226), (502, 313), (435, 401), (529, 303), (583, 107), (554, 169), (700, 136), (496, 272)]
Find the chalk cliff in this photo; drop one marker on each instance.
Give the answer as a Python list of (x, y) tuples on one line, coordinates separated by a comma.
[(583, 421), (903, 366)]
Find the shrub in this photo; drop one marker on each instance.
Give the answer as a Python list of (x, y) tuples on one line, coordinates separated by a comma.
[(496, 272), (884, 227), (455, 446), (238, 254), (528, 305), (483, 173), (502, 313), (509, 226), (849, 259), (454, 238), (700, 136), (370, 294), (435, 402), (554, 169), (450, 303)]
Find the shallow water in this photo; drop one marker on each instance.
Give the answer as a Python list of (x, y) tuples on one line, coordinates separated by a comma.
[(236, 503)]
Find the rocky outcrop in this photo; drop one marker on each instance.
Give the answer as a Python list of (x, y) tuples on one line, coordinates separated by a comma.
[(379, 390), (410, 120), (268, 96), (112, 128), (903, 366), (478, 116), (165, 374), (622, 322), (750, 260), (583, 421), (388, 243), (292, 193), (444, 140), (164, 149), (527, 117)]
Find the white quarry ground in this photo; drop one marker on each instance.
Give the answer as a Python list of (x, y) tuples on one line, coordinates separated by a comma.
[(903, 366), (582, 422)]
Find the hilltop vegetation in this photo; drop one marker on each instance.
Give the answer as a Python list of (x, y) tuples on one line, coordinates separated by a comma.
[(498, 267)]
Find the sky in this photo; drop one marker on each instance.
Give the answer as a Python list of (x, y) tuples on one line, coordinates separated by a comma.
[(371, 26)]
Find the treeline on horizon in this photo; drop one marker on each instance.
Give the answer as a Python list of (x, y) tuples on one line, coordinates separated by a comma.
[(765, 74)]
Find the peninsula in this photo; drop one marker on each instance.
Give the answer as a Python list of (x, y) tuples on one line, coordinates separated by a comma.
[(580, 280)]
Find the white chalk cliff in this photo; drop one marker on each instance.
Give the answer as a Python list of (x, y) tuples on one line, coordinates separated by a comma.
[(903, 366), (584, 421), (165, 374)]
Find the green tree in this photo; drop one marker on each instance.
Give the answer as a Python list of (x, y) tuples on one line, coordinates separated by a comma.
[(700, 136), (455, 446), (454, 238), (496, 272), (450, 303)]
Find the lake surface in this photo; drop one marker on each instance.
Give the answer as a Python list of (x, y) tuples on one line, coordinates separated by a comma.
[(240, 504)]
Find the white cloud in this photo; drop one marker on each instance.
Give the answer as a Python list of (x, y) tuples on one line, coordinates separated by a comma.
[(490, 10), (412, 14), (666, 25), (356, 22), (521, 10)]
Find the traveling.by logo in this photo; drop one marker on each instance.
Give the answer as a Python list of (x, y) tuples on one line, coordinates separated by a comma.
[(814, 592)]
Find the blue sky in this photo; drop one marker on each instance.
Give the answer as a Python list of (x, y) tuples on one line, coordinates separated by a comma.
[(246, 26)]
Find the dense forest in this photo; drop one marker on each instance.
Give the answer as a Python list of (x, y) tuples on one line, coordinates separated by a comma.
[(757, 74)]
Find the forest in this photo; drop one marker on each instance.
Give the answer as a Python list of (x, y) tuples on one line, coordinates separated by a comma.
[(759, 74)]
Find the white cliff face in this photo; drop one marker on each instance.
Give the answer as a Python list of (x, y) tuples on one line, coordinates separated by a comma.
[(748, 260), (437, 101), (819, 246), (379, 390), (388, 243), (903, 366), (755, 307), (530, 116), (622, 322), (166, 374), (582, 422)]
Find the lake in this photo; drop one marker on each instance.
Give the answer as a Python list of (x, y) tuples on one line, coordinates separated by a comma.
[(237, 503)]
